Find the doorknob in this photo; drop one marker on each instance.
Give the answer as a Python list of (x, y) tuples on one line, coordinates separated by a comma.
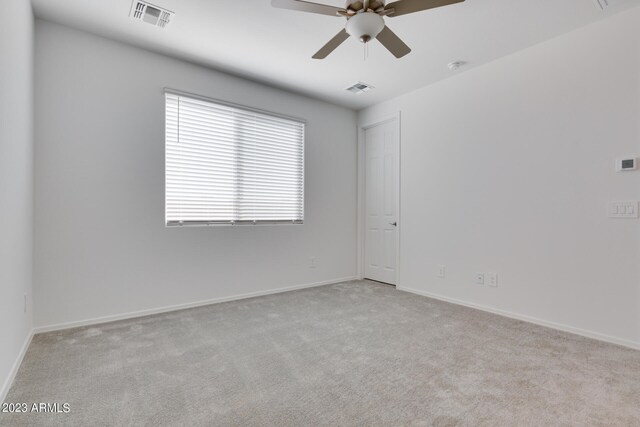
[(395, 223)]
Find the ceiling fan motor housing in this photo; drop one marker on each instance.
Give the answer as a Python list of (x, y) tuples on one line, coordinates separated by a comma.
[(365, 26)]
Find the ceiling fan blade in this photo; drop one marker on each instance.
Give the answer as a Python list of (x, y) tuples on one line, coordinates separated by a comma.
[(403, 7), (336, 41), (393, 43), (305, 6)]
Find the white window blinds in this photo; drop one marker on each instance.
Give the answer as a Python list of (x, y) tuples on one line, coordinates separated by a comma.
[(227, 164)]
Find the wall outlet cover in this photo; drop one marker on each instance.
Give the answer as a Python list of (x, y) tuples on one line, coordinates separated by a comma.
[(480, 278), (492, 279)]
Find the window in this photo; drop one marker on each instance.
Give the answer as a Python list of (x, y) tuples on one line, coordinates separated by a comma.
[(227, 164)]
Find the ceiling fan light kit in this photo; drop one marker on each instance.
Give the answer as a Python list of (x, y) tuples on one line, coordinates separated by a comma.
[(365, 20), (365, 26)]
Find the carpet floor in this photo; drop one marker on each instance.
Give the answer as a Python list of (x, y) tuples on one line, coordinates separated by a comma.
[(351, 354)]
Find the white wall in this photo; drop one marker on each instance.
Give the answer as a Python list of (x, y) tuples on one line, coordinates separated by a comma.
[(507, 168), (16, 182), (101, 245)]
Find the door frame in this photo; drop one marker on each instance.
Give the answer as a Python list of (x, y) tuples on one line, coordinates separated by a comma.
[(361, 220)]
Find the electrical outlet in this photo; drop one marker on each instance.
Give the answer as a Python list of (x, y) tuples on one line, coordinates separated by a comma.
[(480, 278), (313, 262), (492, 279), (442, 271)]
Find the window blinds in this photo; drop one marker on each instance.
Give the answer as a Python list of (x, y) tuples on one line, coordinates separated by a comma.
[(227, 164)]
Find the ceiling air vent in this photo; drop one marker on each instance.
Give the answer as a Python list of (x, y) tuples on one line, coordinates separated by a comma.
[(359, 88), (151, 14)]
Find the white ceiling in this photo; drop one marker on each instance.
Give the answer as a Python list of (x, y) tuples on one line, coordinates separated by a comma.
[(254, 40)]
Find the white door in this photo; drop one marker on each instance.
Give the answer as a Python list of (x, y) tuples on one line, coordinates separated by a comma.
[(381, 202)]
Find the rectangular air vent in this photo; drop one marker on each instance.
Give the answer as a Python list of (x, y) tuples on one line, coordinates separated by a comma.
[(359, 88), (151, 14)]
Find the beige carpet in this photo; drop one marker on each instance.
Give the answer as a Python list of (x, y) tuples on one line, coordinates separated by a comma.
[(352, 354)]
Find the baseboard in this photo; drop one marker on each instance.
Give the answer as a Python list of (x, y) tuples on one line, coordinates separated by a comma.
[(529, 319), (167, 309), (14, 369)]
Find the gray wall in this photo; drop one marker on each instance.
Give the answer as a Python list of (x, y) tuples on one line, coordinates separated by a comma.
[(508, 168), (101, 245), (16, 181)]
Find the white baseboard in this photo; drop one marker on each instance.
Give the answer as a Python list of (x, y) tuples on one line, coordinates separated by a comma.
[(167, 309), (14, 369), (558, 326)]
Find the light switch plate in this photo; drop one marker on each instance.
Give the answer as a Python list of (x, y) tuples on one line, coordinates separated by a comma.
[(623, 209), (480, 278), (442, 271)]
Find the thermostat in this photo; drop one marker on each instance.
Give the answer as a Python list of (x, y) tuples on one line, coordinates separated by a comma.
[(624, 164)]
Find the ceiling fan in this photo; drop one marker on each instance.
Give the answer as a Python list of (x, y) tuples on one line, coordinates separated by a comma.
[(365, 20)]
